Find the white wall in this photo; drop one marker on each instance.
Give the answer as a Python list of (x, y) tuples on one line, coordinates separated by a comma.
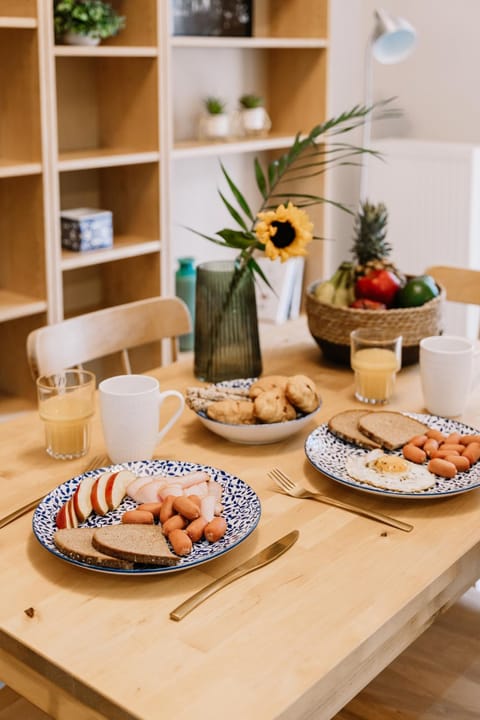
[(436, 87)]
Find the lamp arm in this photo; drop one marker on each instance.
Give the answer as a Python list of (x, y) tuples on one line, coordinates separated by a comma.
[(367, 125)]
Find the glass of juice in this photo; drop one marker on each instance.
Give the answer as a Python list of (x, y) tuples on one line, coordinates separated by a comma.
[(66, 403), (375, 358)]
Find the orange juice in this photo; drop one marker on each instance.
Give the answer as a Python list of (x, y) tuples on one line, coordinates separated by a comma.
[(66, 420), (375, 370)]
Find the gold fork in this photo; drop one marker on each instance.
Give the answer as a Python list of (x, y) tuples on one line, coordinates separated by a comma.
[(95, 462), (295, 490)]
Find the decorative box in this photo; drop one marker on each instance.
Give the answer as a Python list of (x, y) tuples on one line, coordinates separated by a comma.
[(86, 229)]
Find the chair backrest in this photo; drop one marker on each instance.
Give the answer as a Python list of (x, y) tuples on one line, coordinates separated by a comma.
[(462, 285), (94, 335)]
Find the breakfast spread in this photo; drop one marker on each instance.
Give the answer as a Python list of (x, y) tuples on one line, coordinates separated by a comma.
[(182, 509), (426, 453), (270, 399)]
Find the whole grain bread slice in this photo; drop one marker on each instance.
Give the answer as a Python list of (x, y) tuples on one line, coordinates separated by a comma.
[(389, 428), (137, 543), (345, 426), (76, 543)]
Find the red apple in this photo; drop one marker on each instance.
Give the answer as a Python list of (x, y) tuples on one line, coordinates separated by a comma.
[(99, 500), (82, 498), (62, 520), (116, 487)]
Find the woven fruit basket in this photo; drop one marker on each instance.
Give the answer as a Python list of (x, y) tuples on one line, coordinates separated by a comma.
[(331, 325)]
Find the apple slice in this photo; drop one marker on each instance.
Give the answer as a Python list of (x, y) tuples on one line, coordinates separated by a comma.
[(98, 497), (116, 487), (82, 498), (62, 520), (72, 517)]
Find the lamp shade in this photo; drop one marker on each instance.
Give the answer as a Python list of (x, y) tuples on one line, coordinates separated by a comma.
[(392, 39)]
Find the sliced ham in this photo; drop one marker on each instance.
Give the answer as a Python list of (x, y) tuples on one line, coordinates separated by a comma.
[(173, 489), (193, 478), (149, 493)]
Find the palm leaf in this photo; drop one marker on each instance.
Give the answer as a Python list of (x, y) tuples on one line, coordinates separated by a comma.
[(237, 194), (236, 216)]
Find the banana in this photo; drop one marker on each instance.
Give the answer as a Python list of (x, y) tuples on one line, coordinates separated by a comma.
[(339, 289)]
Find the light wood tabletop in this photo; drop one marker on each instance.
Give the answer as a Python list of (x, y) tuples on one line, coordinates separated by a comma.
[(296, 639)]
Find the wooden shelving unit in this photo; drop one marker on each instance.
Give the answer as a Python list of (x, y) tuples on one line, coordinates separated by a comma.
[(115, 127)]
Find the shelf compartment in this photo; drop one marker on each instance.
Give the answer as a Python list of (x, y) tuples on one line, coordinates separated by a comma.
[(22, 250), (15, 379), (293, 106), (105, 104), (106, 285), (290, 18), (130, 192), (20, 136), (18, 10), (15, 305)]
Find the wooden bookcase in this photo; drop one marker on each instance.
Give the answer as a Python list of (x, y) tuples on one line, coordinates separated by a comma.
[(115, 127)]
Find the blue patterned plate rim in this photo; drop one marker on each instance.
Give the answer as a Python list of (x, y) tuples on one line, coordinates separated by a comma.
[(244, 384), (327, 453), (241, 509)]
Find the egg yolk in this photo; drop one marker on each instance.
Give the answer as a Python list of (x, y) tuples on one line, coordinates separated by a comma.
[(390, 463)]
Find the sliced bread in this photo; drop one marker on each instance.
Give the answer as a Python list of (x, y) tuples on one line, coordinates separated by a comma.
[(76, 543), (137, 543), (390, 429), (345, 426)]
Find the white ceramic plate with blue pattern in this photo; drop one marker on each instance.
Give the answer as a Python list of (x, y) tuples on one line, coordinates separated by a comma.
[(258, 434), (241, 510), (328, 453)]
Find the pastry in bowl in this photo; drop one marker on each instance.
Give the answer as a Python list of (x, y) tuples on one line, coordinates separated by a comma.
[(256, 411)]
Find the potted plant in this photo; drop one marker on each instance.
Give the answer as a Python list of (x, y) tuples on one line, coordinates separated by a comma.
[(253, 116), (216, 124), (85, 22)]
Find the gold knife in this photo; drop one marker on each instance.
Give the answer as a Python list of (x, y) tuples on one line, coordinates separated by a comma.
[(262, 558)]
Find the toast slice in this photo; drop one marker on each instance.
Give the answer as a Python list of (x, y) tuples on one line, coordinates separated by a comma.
[(76, 543), (345, 426), (389, 428), (138, 543)]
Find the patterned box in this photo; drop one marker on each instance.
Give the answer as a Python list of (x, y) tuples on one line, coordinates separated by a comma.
[(86, 229)]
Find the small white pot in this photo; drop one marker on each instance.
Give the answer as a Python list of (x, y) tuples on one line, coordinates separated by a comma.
[(76, 39), (216, 127), (255, 121)]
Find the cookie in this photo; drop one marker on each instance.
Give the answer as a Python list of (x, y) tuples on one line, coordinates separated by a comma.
[(269, 382), (301, 392), (272, 406), (233, 412)]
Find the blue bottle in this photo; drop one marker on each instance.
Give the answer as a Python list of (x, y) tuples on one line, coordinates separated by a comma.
[(185, 280)]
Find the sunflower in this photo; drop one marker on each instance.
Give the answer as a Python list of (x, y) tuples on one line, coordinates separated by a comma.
[(285, 232)]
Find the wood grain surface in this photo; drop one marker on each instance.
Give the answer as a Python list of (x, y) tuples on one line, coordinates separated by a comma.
[(297, 639)]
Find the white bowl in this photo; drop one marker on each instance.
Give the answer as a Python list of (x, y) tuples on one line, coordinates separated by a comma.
[(259, 434)]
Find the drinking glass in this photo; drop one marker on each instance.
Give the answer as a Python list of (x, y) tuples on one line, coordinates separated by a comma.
[(66, 405), (375, 358)]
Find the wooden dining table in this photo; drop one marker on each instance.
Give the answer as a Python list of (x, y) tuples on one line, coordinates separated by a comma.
[(295, 639)]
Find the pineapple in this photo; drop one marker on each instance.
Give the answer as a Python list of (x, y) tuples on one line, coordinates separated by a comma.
[(370, 249)]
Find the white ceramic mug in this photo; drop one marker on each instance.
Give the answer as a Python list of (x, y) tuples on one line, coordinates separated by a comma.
[(130, 410), (447, 373)]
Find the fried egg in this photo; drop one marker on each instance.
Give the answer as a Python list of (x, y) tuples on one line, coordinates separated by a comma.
[(390, 472)]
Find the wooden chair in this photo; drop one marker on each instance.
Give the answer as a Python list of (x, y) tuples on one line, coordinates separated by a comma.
[(462, 285), (94, 335)]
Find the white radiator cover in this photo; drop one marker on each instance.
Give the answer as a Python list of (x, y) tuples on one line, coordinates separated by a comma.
[(432, 193)]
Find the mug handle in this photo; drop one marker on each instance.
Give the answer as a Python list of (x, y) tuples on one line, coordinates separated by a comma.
[(163, 396)]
